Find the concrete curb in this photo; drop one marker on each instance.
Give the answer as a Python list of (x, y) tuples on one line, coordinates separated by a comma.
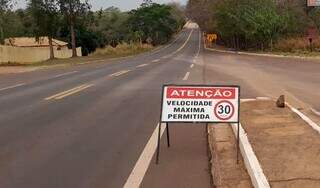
[(252, 164), (261, 55), (305, 118)]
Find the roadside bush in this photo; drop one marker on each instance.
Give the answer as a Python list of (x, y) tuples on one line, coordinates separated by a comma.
[(123, 49), (296, 45)]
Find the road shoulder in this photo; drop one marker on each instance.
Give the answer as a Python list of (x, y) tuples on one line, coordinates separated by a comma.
[(185, 163), (285, 145)]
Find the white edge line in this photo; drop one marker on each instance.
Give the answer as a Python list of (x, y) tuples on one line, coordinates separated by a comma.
[(247, 100), (263, 98), (186, 76), (11, 87), (141, 166), (156, 60), (305, 118), (315, 111), (252, 164)]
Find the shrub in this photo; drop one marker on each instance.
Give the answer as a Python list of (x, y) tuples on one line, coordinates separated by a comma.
[(123, 49), (297, 44)]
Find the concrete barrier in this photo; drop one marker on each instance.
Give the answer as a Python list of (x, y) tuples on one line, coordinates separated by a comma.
[(32, 54)]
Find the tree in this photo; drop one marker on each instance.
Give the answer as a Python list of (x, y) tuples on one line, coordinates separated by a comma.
[(200, 12), (45, 13), (111, 23), (4, 6), (72, 9), (155, 22)]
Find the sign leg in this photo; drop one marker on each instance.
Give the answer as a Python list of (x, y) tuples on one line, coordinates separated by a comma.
[(168, 135), (158, 146), (238, 142)]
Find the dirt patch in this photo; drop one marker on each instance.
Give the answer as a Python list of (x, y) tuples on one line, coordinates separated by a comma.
[(287, 148), (225, 170)]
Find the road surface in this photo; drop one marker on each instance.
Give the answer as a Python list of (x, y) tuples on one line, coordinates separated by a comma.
[(88, 125)]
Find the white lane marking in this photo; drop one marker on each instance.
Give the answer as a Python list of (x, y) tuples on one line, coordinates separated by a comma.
[(254, 169), (186, 76), (64, 74), (119, 73), (198, 53), (192, 65), (184, 44), (73, 92), (156, 60), (143, 65), (141, 166), (315, 111), (305, 118), (179, 49), (247, 100), (69, 92), (167, 56), (11, 87), (263, 98)]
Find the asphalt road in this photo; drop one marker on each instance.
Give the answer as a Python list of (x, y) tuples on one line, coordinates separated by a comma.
[(87, 125)]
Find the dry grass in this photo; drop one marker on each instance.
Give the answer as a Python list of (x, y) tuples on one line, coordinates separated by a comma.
[(297, 45), (123, 49)]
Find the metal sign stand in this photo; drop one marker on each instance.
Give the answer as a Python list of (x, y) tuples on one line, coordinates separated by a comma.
[(159, 140), (238, 142), (207, 124)]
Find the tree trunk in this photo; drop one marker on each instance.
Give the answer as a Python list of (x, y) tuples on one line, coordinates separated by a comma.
[(73, 40), (51, 48), (1, 32)]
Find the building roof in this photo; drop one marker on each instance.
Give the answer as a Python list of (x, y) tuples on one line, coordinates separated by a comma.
[(32, 42)]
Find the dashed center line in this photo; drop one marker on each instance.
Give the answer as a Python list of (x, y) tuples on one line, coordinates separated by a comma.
[(156, 60), (119, 73), (186, 76), (192, 65), (143, 65), (11, 87), (64, 74), (69, 92)]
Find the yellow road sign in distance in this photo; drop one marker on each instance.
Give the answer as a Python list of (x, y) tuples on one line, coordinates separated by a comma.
[(212, 37)]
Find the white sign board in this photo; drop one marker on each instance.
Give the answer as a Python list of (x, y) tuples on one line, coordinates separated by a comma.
[(201, 104), (313, 3)]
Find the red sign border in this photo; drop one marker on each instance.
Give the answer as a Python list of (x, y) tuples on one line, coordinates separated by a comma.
[(182, 85), (215, 112)]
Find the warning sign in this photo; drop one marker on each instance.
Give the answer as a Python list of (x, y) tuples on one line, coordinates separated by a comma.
[(212, 37), (202, 104), (313, 3)]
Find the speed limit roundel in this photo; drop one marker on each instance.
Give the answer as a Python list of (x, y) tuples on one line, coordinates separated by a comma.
[(224, 110)]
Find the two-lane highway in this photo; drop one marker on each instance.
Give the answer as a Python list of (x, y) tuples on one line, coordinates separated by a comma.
[(92, 125), (86, 126)]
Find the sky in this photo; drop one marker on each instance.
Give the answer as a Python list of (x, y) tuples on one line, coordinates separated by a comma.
[(122, 4)]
